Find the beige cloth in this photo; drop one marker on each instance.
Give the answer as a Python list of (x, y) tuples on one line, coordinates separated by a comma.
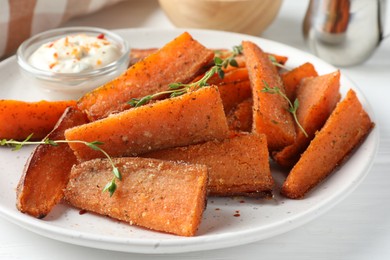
[(19, 19)]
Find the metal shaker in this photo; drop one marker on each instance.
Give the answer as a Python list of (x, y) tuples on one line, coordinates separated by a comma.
[(344, 32)]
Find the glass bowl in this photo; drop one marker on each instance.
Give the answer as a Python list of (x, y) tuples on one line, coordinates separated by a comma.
[(72, 84)]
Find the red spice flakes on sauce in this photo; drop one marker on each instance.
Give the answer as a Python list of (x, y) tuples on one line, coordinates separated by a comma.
[(237, 213)]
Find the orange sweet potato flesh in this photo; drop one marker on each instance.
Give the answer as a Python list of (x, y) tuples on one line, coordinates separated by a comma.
[(292, 78), (346, 128), (317, 98), (240, 118), (270, 111), (191, 118), (233, 75), (47, 171), (159, 195), (137, 54), (279, 58), (240, 59), (19, 119), (178, 61), (237, 166), (233, 93), (233, 88)]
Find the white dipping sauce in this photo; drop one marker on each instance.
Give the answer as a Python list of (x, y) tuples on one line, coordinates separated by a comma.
[(75, 53)]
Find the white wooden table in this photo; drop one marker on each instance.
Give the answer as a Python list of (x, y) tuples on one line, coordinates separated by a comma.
[(357, 228)]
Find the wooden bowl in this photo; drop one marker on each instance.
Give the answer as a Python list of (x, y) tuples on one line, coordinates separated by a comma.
[(243, 16)]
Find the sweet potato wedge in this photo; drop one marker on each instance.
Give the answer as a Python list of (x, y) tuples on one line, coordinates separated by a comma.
[(240, 59), (178, 61), (317, 98), (292, 78), (47, 171), (19, 119), (345, 129), (233, 75), (234, 93), (237, 166), (278, 58), (159, 195), (188, 119), (270, 111), (240, 118), (137, 54), (233, 88)]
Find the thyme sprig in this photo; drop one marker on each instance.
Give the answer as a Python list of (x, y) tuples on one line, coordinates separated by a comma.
[(293, 107), (276, 63), (178, 89), (110, 186)]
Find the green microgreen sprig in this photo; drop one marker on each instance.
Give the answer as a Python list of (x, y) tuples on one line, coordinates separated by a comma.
[(110, 186), (178, 89), (293, 107)]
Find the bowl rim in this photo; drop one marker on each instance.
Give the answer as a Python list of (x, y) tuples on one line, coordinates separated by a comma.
[(37, 40)]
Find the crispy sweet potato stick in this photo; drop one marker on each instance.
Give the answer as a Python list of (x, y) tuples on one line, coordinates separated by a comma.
[(159, 195), (345, 129), (19, 119), (240, 59), (240, 118), (178, 61), (237, 166), (233, 93), (317, 98), (188, 119), (270, 111), (233, 88), (137, 54), (47, 171), (292, 78), (278, 58)]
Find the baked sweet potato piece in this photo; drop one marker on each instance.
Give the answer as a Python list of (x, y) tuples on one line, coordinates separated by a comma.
[(237, 166), (159, 195), (233, 93), (19, 119), (317, 98), (346, 128), (280, 59), (192, 118), (240, 59), (47, 171), (178, 61), (270, 111), (292, 78), (240, 118), (233, 75), (233, 88), (137, 54)]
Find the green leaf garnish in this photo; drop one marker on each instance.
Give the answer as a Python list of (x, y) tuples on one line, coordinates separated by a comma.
[(110, 187)]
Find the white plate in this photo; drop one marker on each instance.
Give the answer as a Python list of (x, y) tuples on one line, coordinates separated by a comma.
[(258, 219)]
